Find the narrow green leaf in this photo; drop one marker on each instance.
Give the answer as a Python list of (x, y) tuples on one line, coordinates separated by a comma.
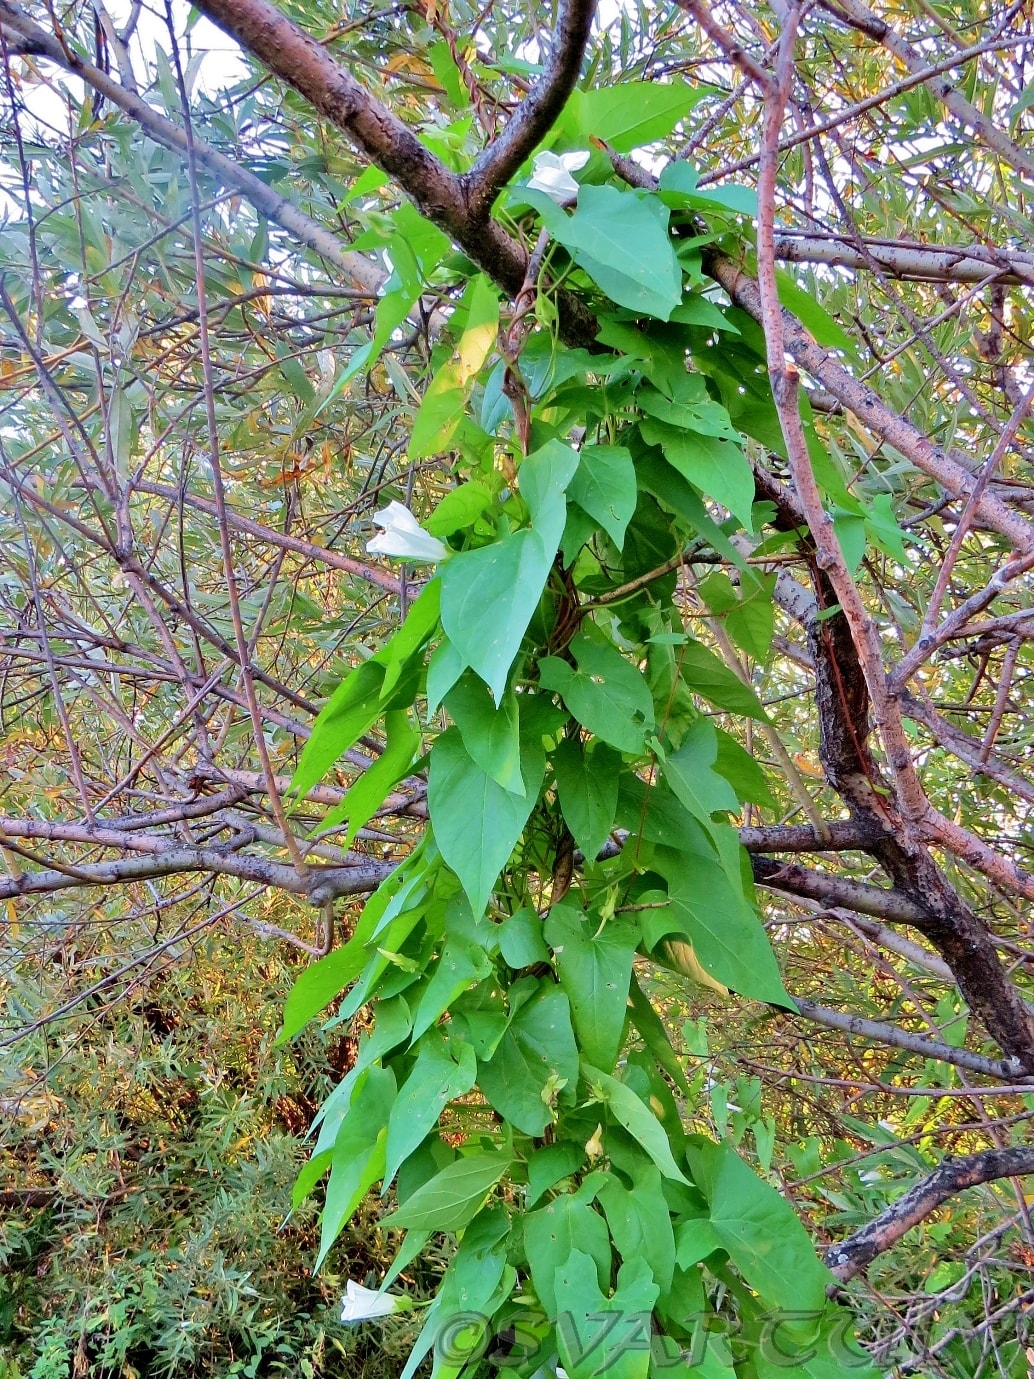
[(440, 1074), (378, 780), (452, 1197), (122, 430), (636, 1117)]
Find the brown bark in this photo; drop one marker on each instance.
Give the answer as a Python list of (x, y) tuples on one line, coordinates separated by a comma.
[(950, 1177)]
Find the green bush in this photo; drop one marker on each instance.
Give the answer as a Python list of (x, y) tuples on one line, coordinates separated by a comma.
[(147, 1225)]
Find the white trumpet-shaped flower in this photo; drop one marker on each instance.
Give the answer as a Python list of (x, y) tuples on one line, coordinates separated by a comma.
[(552, 174), (362, 1304), (403, 536)]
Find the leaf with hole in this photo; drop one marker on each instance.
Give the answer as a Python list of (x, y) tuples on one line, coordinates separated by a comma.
[(442, 1072)]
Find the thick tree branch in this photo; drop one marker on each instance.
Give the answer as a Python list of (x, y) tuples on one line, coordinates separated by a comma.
[(298, 59), (950, 1177), (162, 857), (876, 1031), (323, 883), (894, 942), (538, 111), (972, 263), (842, 837), (941, 915), (836, 890)]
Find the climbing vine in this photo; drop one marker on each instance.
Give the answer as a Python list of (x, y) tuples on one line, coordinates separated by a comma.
[(517, 1087)]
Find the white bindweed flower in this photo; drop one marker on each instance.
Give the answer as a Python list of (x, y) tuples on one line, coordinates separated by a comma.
[(362, 1304), (552, 175), (404, 537)]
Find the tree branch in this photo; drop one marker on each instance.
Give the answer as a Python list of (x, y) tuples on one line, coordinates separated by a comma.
[(870, 409), (538, 111), (323, 883), (1003, 1069), (836, 890), (950, 1177), (822, 365), (965, 747), (973, 263), (894, 942), (855, 15), (843, 837), (442, 196), (298, 59)]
